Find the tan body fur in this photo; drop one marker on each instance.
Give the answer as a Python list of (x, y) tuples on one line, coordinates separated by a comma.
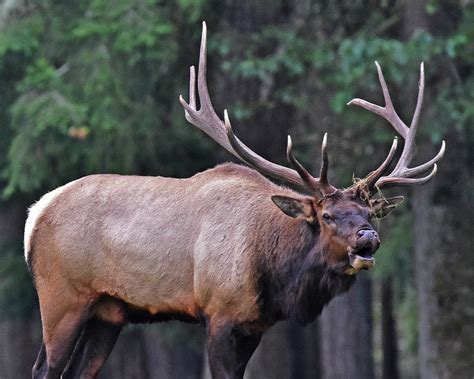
[(183, 246)]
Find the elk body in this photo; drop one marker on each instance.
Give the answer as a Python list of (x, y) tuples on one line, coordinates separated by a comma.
[(226, 248)]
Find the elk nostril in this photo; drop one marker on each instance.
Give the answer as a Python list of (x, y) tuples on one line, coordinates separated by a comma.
[(367, 233)]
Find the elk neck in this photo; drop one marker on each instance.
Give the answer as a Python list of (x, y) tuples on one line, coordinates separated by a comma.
[(295, 282)]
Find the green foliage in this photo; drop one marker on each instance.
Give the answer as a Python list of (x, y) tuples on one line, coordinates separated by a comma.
[(21, 39), (97, 92), (339, 64), (36, 151)]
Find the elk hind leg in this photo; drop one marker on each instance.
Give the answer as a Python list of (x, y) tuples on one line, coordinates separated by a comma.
[(93, 348), (60, 344), (62, 323)]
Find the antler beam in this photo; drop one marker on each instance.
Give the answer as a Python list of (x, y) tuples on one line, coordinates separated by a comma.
[(207, 120)]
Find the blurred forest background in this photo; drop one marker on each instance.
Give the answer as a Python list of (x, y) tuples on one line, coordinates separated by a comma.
[(92, 87)]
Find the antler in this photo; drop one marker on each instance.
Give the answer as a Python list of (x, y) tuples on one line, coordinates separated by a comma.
[(401, 174), (207, 120)]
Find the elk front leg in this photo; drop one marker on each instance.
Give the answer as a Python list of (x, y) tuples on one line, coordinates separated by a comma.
[(229, 349), (40, 367)]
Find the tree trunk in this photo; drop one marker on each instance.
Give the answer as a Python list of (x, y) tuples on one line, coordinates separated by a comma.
[(389, 333), (346, 328), (444, 261), (426, 219)]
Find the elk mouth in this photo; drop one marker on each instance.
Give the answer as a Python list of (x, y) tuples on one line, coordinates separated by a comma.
[(361, 259)]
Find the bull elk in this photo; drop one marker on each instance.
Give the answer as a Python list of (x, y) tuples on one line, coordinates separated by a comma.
[(226, 248)]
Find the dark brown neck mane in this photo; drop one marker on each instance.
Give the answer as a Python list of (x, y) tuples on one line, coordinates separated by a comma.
[(296, 284)]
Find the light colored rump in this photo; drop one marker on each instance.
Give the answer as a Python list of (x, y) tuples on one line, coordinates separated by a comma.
[(37, 210)]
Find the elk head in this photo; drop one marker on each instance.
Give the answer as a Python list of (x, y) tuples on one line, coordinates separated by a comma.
[(341, 216)]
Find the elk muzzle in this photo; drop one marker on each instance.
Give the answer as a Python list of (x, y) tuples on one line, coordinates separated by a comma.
[(361, 255)]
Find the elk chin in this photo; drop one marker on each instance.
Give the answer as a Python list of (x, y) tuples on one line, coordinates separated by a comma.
[(360, 261)]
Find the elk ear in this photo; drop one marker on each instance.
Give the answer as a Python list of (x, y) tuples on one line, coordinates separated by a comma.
[(382, 207), (295, 207)]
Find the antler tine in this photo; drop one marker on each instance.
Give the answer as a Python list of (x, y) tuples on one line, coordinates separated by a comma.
[(419, 100), (408, 151), (418, 170), (192, 87), (323, 175), (309, 180), (204, 98), (371, 179), (401, 174), (243, 154), (388, 181), (388, 111)]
